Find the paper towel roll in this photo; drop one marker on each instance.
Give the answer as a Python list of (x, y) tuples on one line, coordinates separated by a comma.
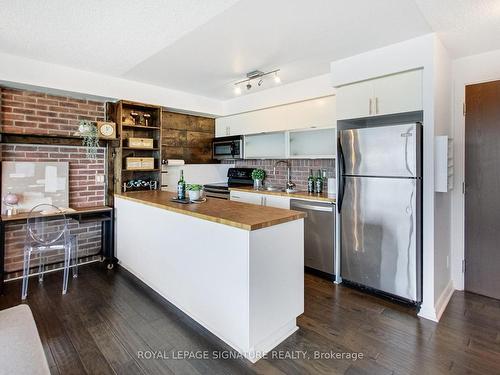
[(332, 186), (173, 162)]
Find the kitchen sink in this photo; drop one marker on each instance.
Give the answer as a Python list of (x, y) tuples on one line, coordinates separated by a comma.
[(274, 188)]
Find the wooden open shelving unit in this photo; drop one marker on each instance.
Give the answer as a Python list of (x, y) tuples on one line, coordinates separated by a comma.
[(120, 113)]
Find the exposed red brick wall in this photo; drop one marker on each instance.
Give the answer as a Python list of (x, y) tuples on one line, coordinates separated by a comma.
[(39, 113), (83, 190)]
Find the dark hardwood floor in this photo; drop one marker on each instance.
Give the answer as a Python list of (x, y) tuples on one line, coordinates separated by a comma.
[(108, 319)]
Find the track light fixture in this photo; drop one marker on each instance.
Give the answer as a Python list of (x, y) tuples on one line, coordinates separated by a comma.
[(277, 78), (256, 74)]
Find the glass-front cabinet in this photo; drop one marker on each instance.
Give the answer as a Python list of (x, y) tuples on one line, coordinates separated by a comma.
[(312, 143), (265, 146)]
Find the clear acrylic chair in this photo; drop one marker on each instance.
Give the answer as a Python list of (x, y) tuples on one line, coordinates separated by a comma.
[(47, 234)]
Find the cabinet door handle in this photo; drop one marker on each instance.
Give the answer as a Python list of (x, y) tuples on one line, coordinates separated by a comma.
[(376, 105), (370, 106)]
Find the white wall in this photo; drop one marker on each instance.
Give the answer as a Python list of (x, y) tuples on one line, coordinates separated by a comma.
[(45, 75), (310, 88), (195, 174), (465, 71), (427, 53), (443, 287)]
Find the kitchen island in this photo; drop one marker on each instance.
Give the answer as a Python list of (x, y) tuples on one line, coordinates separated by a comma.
[(235, 268)]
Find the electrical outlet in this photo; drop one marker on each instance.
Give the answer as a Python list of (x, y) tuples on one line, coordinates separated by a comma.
[(99, 178)]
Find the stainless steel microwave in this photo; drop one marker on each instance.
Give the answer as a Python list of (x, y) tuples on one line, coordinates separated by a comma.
[(228, 148)]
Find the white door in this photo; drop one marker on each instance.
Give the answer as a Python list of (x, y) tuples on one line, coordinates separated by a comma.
[(355, 100), (398, 93), (277, 201), (241, 196)]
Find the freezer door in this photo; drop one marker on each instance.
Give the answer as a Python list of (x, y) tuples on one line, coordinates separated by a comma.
[(380, 235), (390, 151)]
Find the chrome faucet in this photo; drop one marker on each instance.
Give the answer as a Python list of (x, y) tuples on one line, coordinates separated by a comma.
[(289, 184)]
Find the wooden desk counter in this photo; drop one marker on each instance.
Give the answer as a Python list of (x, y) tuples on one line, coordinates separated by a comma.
[(235, 214)]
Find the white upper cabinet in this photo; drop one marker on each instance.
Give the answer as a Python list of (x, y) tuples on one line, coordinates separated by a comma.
[(354, 101), (265, 146), (310, 113), (313, 144), (397, 93)]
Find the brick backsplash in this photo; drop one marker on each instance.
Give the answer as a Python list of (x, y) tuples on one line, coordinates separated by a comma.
[(31, 112), (39, 113), (300, 169)]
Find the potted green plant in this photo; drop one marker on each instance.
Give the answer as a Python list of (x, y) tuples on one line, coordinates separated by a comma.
[(258, 176), (194, 191), (90, 137)]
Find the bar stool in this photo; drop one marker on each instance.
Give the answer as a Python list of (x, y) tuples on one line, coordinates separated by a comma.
[(45, 235)]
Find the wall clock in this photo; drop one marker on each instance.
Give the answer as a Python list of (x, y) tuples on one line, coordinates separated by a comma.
[(106, 130)]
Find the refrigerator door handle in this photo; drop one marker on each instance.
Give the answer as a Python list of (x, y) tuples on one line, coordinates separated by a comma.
[(340, 197)]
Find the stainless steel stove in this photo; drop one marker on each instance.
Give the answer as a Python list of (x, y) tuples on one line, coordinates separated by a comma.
[(236, 177)]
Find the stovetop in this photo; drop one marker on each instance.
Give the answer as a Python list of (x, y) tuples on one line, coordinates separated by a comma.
[(236, 177), (225, 185), (217, 185)]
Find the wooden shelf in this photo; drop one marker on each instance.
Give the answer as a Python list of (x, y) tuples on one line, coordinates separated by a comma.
[(50, 139), (141, 127), (120, 112), (141, 149), (141, 170)]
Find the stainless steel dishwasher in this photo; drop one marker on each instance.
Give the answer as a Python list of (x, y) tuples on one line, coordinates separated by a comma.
[(319, 235)]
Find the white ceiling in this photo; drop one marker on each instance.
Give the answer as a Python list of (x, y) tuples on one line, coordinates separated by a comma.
[(202, 47), (300, 37), (466, 27), (108, 36)]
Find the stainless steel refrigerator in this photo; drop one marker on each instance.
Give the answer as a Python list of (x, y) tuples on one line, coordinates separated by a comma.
[(379, 203)]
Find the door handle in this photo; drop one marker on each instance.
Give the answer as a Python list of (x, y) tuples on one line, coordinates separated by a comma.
[(376, 105), (311, 207), (341, 162), (370, 106)]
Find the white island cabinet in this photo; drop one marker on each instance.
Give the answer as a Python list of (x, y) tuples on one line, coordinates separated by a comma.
[(235, 268)]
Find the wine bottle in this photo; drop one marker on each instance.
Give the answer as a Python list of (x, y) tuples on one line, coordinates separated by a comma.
[(319, 183), (310, 182), (181, 187)]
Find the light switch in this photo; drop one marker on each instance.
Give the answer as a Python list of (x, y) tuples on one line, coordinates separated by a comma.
[(99, 178)]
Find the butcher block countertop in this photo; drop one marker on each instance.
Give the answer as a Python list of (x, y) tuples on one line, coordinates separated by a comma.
[(324, 197), (235, 214)]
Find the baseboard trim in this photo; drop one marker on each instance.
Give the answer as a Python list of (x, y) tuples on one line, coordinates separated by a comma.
[(435, 312), (444, 299)]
